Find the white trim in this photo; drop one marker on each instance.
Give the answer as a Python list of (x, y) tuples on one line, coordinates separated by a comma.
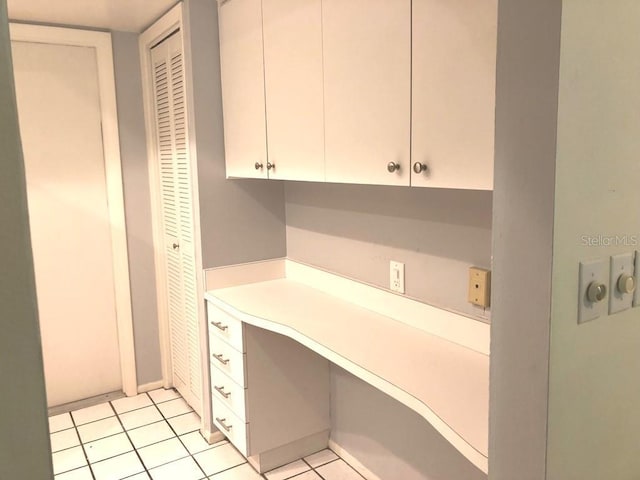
[(352, 461), (171, 21), (148, 387), (101, 41)]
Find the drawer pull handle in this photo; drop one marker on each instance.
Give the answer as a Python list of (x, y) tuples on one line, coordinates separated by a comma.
[(220, 358), (224, 425), (221, 391), (219, 326)]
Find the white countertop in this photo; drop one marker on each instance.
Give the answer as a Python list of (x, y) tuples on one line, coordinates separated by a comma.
[(448, 384)]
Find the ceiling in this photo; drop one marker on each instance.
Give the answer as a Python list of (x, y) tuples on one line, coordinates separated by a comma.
[(124, 15)]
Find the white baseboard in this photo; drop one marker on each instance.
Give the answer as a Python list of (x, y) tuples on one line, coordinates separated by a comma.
[(351, 460), (212, 437), (147, 387)]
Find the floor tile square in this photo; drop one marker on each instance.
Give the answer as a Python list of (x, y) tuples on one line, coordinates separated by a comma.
[(60, 422), (162, 395), (321, 457), (220, 458), (100, 429), (196, 443), (138, 418), (287, 471), (64, 439), (184, 469), (68, 459), (139, 476), (242, 472), (175, 407), (186, 423), (152, 433), (91, 414), (308, 475), (162, 452), (338, 470), (82, 473), (119, 467), (107, 447), (127, 404)]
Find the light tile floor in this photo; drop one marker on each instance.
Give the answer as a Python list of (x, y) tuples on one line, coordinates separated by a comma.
[(155, 436)]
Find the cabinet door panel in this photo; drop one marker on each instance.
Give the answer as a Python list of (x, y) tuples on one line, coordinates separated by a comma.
[(454, 62), (294, 91), (367, 80), (241, 60)]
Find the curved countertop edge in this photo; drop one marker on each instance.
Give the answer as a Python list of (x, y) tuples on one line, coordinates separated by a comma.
[(458, 442)]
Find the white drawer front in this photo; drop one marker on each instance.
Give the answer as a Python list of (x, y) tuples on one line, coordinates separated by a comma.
[(225, 390), (225, 326), (234, 428), (228, 360)]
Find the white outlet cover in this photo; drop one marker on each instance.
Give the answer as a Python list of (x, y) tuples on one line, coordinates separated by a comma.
[(396, 276), (592, 271), (620, 264)]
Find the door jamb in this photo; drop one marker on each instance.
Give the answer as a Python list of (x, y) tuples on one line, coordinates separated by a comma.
[(101, 42)]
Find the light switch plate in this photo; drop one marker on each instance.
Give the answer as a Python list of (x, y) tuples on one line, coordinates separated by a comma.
[(592, 271), (620, 265)]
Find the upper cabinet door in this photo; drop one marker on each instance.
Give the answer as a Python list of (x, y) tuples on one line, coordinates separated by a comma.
[(454, 71), (367, 81), (241, 59), (294, 90)]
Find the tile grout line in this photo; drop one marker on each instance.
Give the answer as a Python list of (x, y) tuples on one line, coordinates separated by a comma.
[(82, 446), (135, 450)]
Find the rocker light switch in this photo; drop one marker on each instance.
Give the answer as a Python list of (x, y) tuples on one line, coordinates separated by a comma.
[(593, 290)]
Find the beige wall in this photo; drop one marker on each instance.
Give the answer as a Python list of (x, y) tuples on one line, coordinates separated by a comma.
[(24, 434), (594, 387)]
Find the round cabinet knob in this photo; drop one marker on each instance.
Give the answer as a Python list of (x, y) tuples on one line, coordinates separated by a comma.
[(271, 165), (626, 283), (393, 166), (596, 292), (258, 165), (419, 167), (176, 246)]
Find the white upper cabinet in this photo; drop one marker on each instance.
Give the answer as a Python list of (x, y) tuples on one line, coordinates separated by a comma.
[(367, 88), (294, 90), (243, 97), (454, 71)]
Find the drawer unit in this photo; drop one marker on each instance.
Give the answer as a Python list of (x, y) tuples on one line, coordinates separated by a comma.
[(228, 360), (233, 427), (225, 390), (226, 327)]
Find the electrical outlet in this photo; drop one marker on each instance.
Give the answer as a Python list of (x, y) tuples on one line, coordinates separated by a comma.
[(479, 286), (396, 276)]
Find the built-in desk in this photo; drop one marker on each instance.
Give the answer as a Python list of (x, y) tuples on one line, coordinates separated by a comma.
[(446, 383)]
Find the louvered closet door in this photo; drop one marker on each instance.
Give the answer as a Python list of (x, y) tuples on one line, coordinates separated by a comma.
[(177, 217)]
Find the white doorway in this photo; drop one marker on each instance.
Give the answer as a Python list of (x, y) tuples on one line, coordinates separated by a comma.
[(66, 106)]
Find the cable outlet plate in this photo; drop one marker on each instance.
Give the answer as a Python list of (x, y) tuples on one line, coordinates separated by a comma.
[(592, 271), (396, 276)]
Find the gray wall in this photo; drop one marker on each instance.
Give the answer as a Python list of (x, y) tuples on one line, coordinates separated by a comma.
[(523, 212), (391, 440), (594, 390), (355, 230), (133, 151), (24, 434), (241, 220)]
